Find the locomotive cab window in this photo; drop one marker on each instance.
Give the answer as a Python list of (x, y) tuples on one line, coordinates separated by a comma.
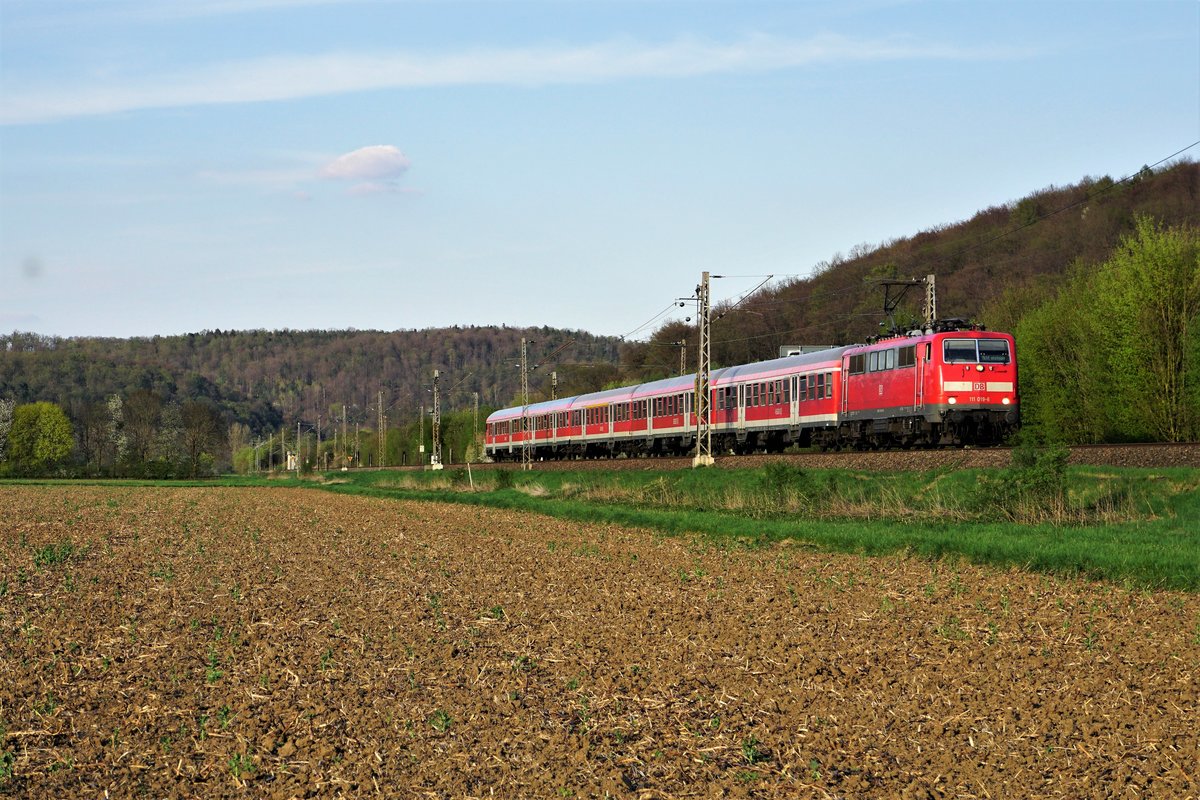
[(993, 351), (959, 351)]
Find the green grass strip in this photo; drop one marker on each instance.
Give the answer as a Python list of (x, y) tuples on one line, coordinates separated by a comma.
[(1163, 554)]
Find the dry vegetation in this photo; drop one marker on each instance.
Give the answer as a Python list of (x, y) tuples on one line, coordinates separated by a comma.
[(292, 643)]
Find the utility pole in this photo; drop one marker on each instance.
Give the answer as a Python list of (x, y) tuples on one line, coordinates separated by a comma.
[(344, 444), (475, 422), (381, 432), (682, 356), (421, 436), (704, 456), (526, 437), (435, 461), (317, 455), (930, 302), (554, 385)]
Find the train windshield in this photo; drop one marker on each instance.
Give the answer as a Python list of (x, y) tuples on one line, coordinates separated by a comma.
[(993, 351), (975, 351)]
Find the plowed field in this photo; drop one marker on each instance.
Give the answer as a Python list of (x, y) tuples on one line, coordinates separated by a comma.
[(293, 643)]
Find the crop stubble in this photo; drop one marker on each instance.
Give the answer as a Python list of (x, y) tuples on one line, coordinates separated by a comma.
[(290, 643)]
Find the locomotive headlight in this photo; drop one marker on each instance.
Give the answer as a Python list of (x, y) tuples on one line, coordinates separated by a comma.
[(952, 400), (1006, 401), (979, 367)]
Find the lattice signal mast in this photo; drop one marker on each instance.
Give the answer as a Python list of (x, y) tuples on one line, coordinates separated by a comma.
[(704, 456), (435, 460), (526, 438)]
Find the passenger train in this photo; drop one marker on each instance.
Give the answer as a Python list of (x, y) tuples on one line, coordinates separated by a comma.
[(953, 384)]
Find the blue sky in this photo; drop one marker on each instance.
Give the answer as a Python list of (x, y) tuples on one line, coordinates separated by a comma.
[(177, 165)]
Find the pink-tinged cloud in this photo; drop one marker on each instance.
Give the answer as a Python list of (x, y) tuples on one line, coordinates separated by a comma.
[(375, 163)]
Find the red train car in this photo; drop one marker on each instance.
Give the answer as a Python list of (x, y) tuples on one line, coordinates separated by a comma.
[(952, 387)]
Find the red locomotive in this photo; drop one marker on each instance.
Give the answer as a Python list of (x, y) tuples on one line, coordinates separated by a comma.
[(953, 384)]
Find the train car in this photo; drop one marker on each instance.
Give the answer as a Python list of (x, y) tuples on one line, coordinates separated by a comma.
[(953, 385)]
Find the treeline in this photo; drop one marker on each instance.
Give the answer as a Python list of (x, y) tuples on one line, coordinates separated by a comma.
[(267, 379), (139, 436), (1114, 354)]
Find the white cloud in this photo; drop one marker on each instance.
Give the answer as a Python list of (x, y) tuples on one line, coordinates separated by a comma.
[(291, 77), (373, 163)]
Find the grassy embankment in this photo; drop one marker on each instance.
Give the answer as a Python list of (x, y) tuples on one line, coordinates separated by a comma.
[(1134, 526)]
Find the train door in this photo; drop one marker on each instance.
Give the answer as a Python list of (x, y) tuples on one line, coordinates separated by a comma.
[(794, 408), (844, 400), (740, 411), (919, 383), (924, 356)]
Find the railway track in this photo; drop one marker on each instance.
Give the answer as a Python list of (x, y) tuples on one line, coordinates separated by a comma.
[(1111, 455)]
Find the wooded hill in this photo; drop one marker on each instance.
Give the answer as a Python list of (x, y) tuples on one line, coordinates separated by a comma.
[(991, 268), (265, 379)]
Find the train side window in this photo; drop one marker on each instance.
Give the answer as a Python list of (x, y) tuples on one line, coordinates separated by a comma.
[(828, 385), (928, 352), (787, 390), (891, 359), (993, 351), (907, 357), (821, 384), (873, 361)]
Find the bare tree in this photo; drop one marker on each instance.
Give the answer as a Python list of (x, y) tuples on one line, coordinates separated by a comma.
[(203, 433)]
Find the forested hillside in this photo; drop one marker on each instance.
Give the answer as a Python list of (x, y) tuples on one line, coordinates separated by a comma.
[(992, 268), (268, 378)]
